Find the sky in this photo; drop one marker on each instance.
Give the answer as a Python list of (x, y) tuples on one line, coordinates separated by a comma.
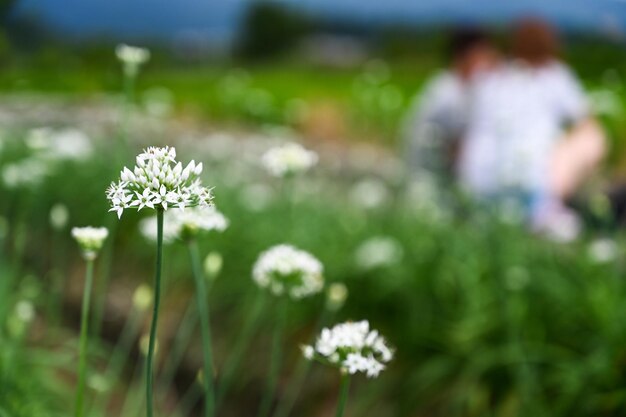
[(219, 19)]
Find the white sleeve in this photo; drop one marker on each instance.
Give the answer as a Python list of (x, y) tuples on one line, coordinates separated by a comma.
[(570, 100), (432, 122)]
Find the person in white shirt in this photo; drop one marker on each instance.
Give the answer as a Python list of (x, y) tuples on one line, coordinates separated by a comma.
[(530, 133), (438, 117)]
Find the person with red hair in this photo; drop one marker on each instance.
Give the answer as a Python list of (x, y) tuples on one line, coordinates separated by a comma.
[(531, 135)]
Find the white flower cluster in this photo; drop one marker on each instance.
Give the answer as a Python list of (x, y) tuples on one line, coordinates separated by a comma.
[(132, 57), (158, 181), (48, 149), (352, 347), (29, 172), (378, 252), (288, 159), (90, 239), (64, 144), (182, 224), (285, 269)]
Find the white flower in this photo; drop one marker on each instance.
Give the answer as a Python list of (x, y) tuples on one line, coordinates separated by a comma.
[(285, 269), (291, 158), (90, 239), (370, 193), (159, 181), (59, 215), (132, 57), (29, 172), (256, 197), (25, 311), (183, 224), (603, 250), (60, 145), (378, 252), (352, 347), (308, 352)]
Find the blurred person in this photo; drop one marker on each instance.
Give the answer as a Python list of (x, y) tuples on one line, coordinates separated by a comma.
[(530, 134), (438, 117)]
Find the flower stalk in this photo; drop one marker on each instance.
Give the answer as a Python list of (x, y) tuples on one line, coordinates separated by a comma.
[(205, 329), (84, 340), (276, 354), (155, 316), (344, 389)]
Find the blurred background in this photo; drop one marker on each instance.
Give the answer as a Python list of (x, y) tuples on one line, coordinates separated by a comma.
[(495, 307)]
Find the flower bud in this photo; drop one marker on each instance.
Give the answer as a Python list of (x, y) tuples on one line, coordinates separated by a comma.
[(213, 265), (90, 240), (336, 296), (144, 345), (142, 298)]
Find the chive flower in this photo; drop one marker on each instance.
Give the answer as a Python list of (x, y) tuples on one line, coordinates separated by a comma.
[(185, 224), (132, 57), (291, 158), (284, 269), (159, 181), (352, 347), (90, 239)]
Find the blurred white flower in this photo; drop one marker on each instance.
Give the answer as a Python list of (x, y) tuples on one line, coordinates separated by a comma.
[(25, 311), (256, 197), (184, 224), (352, 347), (425, 197), (369, 193), (336, 296), (158, 101), (379, 251), (59, 215), (90, 239), (132, 58), (288, 159), (605, 102), (22, 315), (159, 181), (285, 269), (603, 250), (60, 145), (29, 172)]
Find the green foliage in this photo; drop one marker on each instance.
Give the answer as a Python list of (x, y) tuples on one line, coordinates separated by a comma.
[(486, 319)]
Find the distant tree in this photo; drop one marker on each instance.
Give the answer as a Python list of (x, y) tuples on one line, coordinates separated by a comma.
[(6, 7), (270, 29)]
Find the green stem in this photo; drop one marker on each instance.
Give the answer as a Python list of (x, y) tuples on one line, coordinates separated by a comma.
[(129, 98), (276, 354), (155, 315), (84, 324), (182, 340), (104, 276), (205, 328), (343, 394), (242, 342), (300, 374)]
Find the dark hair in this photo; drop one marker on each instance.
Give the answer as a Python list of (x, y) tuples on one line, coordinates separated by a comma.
[(462, 39), (534, 41)]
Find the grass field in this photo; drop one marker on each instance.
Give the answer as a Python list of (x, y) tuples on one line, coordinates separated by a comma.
[(487, 320)]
